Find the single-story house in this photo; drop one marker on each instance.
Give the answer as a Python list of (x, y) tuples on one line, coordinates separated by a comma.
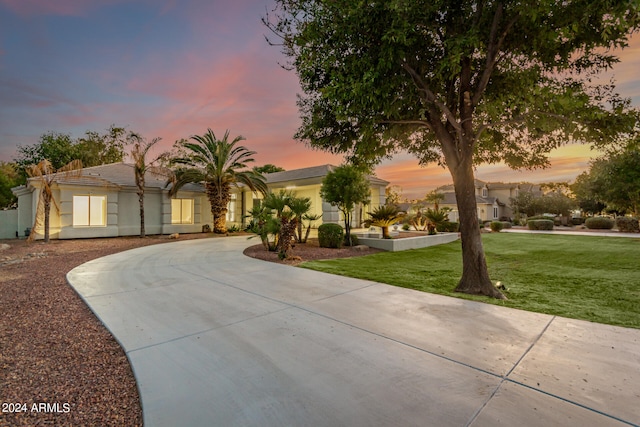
[(101, 201)]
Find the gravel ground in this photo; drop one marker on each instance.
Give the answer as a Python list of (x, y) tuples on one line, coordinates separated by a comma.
[(54, 353), (58, 364)]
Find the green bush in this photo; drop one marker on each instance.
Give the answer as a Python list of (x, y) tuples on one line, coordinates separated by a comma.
[(599, 223), (330, 236), (540, 224), (406, 227), (506, 224), (354, 240), (448, 227), (577, 221), (496, 226), (627, 224)]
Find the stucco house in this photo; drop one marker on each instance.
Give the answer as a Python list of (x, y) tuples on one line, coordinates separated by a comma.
[(492, 198), (101, 201)]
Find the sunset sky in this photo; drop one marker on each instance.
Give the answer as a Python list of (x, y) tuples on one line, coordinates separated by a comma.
[(172, 69)]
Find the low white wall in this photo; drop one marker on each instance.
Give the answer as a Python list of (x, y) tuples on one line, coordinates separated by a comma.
[(9, 224), (395, 245)]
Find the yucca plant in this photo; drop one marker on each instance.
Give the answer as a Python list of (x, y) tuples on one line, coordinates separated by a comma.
[(384, 216)]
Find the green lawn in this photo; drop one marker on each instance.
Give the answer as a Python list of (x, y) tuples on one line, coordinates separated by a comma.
[(581, 277)]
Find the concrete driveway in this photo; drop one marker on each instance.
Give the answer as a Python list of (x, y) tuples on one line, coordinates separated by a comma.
[(219, 339)]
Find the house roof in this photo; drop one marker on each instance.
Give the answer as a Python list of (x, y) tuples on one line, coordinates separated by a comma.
[(117, 175), (310, 173)]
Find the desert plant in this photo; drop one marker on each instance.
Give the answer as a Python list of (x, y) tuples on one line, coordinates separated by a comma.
[(383, 216), (330, 236), (219, 164), (627, 224), (496, 226), (540, 224), (599, 223), (46, 176), (310, 218), (406, 227)]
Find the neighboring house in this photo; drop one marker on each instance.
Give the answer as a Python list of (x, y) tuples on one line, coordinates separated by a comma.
[(492, 198), (102, 202)]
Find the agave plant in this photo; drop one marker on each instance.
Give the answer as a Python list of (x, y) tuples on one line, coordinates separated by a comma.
[(384, 216)]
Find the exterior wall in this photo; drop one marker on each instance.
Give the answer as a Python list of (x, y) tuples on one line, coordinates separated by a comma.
[(200, 207), (9, 224), (25, 211), (66, 228)]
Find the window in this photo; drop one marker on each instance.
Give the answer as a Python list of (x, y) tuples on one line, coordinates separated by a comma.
[(181, 211), (495, 212), (231, 208), (89, 211), (485, 193)]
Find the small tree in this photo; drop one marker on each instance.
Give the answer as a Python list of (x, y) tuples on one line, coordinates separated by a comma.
[(140, 168), (345, 187), (46, 175), (384, 216)]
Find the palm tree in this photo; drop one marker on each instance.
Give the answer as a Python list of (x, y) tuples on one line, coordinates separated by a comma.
[(383, 216), (46, 175), (140, 168), (219, 164)]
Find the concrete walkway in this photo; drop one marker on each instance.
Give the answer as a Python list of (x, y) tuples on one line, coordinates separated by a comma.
[(219, 339)]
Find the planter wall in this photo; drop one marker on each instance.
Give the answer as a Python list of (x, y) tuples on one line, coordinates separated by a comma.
[(395, 245)]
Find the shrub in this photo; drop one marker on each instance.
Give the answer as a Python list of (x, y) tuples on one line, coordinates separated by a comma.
[(626, 224), (406, 227), (577, 221), (506, 224), (599, 223), (330, 236), (354, 241), (448, 227), (540, 224), (496, 226)]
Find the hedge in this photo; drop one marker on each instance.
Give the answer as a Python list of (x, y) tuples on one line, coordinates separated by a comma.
[(330, 236), (540, 224), (626, 224), (599, 223), (496, 226), (448, 227)]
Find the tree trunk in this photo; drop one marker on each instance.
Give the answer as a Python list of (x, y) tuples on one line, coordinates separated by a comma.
[(47, 211), (475, 276), (141, 201), (219, 199)]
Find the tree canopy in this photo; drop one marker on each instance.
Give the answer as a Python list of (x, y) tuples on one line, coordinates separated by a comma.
[(92, 149), (457, 83), (345, 187), (9, 178), (268, 168), (613, 181)]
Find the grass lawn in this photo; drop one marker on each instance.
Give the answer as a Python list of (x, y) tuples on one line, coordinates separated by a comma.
[(581, 277)]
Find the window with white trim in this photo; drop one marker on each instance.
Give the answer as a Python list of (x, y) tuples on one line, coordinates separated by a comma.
[(495, 212), (89, 211), (181, 211), (485, 192), (231, 208)]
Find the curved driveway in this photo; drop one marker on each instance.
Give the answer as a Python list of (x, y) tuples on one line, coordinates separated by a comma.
[(219, 339)]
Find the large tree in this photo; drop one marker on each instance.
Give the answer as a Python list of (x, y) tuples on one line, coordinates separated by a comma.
[(218, 164), (92, 149), (9, 178), (613, 180), (455, 82)]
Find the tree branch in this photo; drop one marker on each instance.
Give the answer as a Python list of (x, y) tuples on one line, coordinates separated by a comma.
[(493, 49), (430, 97)]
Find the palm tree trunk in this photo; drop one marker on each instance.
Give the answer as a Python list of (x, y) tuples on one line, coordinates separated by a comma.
[(47, 211), (141, 201)]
